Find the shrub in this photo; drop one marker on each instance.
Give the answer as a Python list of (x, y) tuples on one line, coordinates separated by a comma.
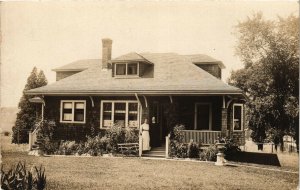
[(19, 177), (67, 148), (6, 133), (131, 136), (193, 150), (117, 135), (178, 149), (45, 133), (46, 129), (209, 154), (231, 148), (177, 134), (94, 145), (48, 146)]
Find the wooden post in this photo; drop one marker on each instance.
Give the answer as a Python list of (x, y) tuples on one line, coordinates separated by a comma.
[(167, 145), (140, 145), (30, 141)]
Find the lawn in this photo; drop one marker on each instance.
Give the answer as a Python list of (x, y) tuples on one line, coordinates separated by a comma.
[(136, 173)]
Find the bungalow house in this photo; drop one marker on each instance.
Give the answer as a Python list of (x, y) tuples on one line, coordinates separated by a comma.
[(164, 88)]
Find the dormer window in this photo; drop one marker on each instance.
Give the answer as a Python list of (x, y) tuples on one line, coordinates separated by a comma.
[(127, 69)]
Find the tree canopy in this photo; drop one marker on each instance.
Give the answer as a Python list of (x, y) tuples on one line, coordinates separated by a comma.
[(26, 117), (269, 50)]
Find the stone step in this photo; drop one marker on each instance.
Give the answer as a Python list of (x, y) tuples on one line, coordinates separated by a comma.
[(157, 151), (153, 155), (158, 148)]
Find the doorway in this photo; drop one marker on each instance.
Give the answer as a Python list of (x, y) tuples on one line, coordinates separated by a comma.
[(158, 128)]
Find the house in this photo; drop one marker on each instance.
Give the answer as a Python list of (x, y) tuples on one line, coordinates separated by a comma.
[(160, 87)]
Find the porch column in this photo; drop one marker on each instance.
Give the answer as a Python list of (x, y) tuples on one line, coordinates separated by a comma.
[(224, 122)]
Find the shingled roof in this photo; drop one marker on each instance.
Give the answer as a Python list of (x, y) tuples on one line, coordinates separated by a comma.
[(79, 65), (133, 56), (173, 74)]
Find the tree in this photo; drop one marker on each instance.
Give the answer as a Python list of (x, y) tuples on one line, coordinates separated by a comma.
[(270, 77), (26, 117)]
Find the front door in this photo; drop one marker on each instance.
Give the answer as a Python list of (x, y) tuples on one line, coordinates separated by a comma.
[(157, 122)]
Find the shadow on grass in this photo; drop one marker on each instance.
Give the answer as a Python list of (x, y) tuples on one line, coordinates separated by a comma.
[(255, 158)]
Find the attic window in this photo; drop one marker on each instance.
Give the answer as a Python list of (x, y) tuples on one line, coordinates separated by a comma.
[(126, 69)]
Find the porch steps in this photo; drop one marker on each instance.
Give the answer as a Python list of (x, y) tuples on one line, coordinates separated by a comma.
[(156, 152)]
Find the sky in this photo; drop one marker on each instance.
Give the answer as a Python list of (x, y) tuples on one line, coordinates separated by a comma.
[(49, 34)]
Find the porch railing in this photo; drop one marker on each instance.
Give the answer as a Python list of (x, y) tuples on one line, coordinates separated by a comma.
[(204, 137), (33, 135)]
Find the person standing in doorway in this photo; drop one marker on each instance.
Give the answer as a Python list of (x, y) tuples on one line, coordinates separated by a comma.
[(145, 135)]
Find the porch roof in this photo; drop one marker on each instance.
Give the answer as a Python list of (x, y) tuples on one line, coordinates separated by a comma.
[(173, 74)]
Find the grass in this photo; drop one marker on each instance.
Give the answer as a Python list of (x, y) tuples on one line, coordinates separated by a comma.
[(136, 173)]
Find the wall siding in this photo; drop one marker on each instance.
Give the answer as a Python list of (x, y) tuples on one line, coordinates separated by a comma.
[(186, 113)]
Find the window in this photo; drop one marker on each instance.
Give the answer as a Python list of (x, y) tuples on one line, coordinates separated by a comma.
[(122, 113), (127, 69), (120, 69), (237, 117), (72, 111)]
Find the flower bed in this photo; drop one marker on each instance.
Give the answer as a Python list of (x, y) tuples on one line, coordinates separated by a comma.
[(98, 145), (197, 151)]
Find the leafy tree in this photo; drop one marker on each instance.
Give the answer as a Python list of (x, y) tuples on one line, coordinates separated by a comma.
[(26, 117), (270, 77)]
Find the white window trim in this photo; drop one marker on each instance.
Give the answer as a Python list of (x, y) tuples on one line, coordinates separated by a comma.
[(126, 69), (242, 116), (210, 115), (113, 111), (73, 109)]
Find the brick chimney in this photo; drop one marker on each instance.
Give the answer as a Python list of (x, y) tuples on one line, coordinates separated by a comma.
[(106, 52)]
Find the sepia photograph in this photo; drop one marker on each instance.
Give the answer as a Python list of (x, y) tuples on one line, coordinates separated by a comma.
[(149, 95)]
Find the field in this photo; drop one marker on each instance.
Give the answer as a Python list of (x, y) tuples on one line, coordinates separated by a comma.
[(137, 173)]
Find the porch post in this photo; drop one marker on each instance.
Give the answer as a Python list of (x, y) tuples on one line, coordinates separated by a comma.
[(224, 122)]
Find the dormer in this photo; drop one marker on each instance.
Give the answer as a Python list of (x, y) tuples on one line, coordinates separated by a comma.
[(209, 64), (132, 65)]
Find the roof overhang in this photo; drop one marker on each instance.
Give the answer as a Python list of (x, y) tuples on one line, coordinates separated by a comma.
[(37, 100), (139, 92)]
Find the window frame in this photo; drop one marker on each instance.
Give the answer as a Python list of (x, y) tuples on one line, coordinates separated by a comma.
[(126, 70), (113, 112), (242, 116), (210, 115), (73, 111)]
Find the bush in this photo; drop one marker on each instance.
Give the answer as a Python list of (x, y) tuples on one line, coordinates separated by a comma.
[(209, 154), (177, 134), (48, 146), (193, 150), (116, 134), (67, 148), (6, 133), (231, 148), (19, 177), (178, 149), (131, 135), (46, 129)]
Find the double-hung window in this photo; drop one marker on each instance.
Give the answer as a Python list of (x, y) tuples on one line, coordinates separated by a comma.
[(72, 111), (126, 69), (122, 113), (237, 117)]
